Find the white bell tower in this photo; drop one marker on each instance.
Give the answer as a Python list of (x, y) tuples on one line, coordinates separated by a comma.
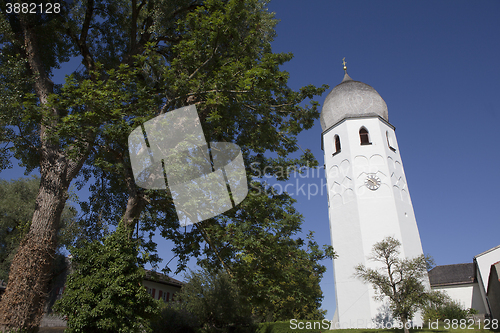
[(368, 196)]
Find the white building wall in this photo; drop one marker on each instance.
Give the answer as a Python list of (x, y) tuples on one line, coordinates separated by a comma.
[(483, 263), (461, 294), (360, 217), (163, 287), (467, 295)]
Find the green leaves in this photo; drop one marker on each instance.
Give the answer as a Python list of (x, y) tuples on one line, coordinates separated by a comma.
[(140, 59), (104, 292), (215, 300), (277, 273)]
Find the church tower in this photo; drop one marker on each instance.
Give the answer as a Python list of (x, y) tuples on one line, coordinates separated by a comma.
[(368, 196)]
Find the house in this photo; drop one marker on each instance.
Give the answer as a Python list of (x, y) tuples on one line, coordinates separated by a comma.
[(161, 286), (460, 283), (473, 285)]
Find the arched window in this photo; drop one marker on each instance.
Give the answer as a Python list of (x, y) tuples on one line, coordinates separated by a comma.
[(364, 136), (389, 141), (337, 145)]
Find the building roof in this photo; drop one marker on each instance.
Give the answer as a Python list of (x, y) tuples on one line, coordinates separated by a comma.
[(448, 275), (487, 251), (351, 99), (162, 278)]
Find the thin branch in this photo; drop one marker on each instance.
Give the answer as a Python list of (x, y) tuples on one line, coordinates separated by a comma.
[(75, 166), (81, 41), (170, 101), (86, 21), (194, 5), (141, 5), (209, 242), (21, 134), (166, 39), (133, 25), (280, 105), (201, 66)]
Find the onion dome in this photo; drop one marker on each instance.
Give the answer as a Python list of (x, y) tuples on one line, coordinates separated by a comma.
[(351, 99)]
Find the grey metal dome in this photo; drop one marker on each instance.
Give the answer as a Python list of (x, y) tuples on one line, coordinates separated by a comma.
[(351, 99)]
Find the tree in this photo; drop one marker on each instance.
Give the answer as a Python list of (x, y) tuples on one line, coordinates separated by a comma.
[(446, 309), (176, 318), (17, 203), (215, 300), (140, 59), (401, 281), (257, 247), (104, 291)]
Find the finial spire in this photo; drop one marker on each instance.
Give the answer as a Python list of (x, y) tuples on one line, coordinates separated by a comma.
[(346, 76)]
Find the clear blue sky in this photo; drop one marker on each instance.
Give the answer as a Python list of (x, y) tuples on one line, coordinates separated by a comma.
[(436, 64)]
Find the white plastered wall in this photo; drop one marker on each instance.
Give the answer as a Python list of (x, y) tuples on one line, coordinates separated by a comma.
[(163, 287), (467, 295)]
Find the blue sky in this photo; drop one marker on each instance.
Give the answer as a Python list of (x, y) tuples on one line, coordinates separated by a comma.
[(436, 64)]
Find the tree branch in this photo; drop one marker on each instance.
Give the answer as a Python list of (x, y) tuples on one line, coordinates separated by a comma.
[(204, 63), (133, 25), (192, 6), (209, 242), (82, 41)]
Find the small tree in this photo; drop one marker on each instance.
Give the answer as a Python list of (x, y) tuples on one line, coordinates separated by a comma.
[(399, 280), (447, 309), (215, 299), (174, 318), (104, 292)]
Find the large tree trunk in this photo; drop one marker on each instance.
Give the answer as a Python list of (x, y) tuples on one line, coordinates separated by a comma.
[(405, 325), (21, 306), (23, 302)]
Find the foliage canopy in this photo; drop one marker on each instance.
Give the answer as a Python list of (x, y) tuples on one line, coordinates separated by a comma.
[(216, 301), (278, 272), (139, 60)]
